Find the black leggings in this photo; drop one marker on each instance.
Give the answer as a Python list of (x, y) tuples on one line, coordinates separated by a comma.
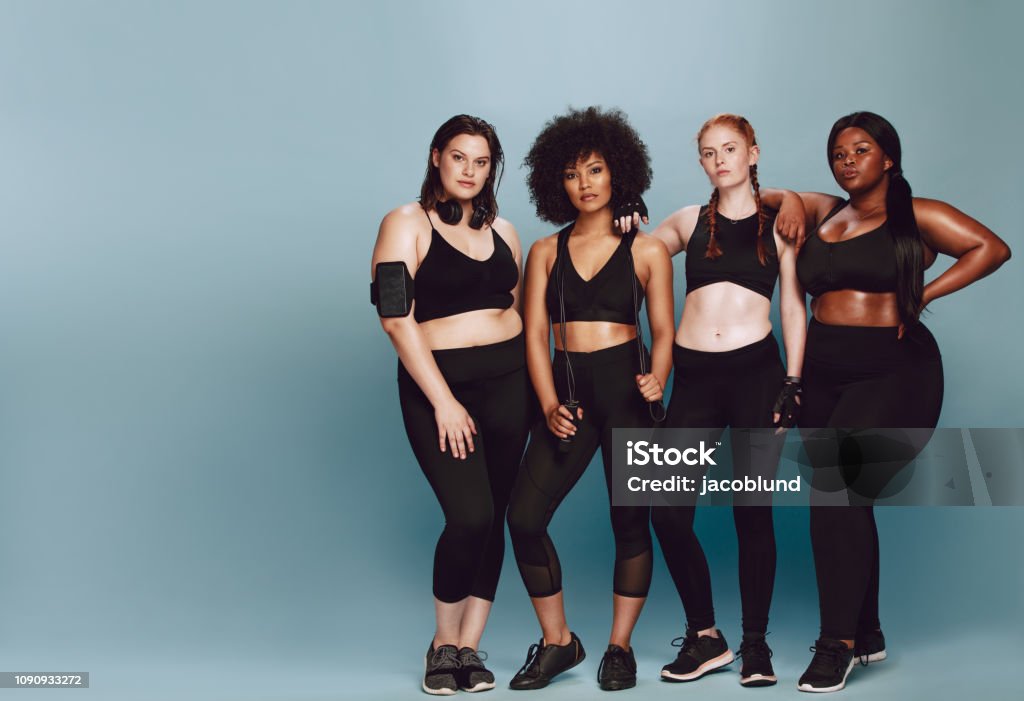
[(858, 377), (491, 382), (607, 391), (712, 390)]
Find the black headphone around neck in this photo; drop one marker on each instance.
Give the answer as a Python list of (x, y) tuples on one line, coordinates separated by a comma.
[(450, 212)]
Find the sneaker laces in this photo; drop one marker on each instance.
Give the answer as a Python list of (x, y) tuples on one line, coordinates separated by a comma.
[(617, 662), (531, 668), (472, 658), (863, 658), (445, 658), (828, 658), (687, 644), (754, 648)]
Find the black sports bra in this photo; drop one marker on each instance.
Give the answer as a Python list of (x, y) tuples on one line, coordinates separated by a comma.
[(738, 263), (607, 296), (866, 262), (449, 282)]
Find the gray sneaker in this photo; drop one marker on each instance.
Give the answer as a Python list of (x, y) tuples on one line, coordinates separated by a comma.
[(441, 666), (472, 675)]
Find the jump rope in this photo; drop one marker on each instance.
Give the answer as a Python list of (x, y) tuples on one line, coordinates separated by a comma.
[(572, 403)]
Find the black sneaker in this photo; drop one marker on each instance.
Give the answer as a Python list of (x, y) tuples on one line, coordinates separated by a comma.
[(757, 661), (617, 669), (829, 667), (545, 662), (471, 674), (441, 667), (698, 656), (869, 647)]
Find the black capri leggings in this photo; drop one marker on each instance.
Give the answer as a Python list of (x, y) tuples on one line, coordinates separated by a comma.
[(712, 390), (858, 377), (607, 391), (491, 382)]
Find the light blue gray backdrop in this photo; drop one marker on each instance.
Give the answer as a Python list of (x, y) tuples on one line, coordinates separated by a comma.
[(205, 488)]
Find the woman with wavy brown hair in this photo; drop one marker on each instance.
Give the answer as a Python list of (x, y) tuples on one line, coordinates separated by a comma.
[(462, 379)]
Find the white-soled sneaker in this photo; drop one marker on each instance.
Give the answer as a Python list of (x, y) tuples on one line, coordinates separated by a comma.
[(697, 656), (869, 647), (439, 670), (829, 667), (472, 676)]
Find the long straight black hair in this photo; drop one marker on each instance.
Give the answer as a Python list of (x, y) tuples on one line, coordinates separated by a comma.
[(899, 207), (432, 192)]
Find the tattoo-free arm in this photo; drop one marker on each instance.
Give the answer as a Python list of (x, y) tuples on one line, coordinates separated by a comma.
[(945, 229)]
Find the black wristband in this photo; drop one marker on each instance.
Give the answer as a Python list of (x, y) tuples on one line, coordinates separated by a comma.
[(627, 206)]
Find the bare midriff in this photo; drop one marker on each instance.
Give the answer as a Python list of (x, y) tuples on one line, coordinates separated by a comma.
[(480, 327), (856, 308), (590, 336), (723, 316)]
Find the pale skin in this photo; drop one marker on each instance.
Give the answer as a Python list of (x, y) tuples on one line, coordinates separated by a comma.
[(405, 235), (724, 316), (861, 167), (588, 183)]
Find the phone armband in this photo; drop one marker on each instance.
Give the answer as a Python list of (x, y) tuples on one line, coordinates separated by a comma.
[(392, 290)]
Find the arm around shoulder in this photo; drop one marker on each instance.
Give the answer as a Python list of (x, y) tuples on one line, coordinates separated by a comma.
[(675, 231)]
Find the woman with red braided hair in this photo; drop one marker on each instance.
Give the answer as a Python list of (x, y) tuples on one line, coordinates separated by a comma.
[(728, 372)]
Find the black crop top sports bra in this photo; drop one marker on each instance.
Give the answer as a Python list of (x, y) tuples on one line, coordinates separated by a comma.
[(605, 297), (866, 262), (449, 282), (738, 263)]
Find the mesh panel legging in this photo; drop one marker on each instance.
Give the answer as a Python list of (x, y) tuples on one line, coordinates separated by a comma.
[(859, 377), (712, 390), (492, 384), (607, 391)]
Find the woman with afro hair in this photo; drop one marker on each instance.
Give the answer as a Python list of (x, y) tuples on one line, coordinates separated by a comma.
[(586, 283)]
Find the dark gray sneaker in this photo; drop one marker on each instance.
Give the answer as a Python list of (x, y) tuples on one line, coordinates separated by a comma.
[(472, 675), (698, 656), (869, 647), (545, 662), (829, 667), (617, 670), (441, 666)]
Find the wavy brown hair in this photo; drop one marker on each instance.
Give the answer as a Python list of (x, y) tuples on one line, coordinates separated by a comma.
[(432, 191)]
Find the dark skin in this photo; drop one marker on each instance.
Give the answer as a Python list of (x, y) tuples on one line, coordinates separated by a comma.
[(861, 167)]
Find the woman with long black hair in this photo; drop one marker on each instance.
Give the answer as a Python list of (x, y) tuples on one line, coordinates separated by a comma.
[(728, 372), (587, 284), (462, 377), (870, 363)]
